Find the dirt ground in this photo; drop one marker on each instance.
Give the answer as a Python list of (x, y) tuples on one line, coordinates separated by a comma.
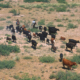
[(34, 66)]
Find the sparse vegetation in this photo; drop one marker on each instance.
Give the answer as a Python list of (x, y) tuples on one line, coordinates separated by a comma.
[(60, 25), (13, 11), (2, 19), (17, 58), (8, 17), (78, 50), (7, 49), (36, 0), (61, 1), (7, 35), (76, 58), (71, 26), (47, 59), (7, 64), (50, 24), (9, 42), (41, 22), (52, 76), (7, 5), (1, 27), (27, 57), (58, 20), (62, 46), (67, 75)]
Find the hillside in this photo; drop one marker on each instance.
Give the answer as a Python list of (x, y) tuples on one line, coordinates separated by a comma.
[(65, 17)]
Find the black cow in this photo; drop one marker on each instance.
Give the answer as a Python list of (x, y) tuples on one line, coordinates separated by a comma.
[(74, 42), (20, 30), (53, 30), (45, 34), (53, 36), (11, 26), (40, 28), (29, 37), (7, 27), (17, 28), (45, 28), (61, 56), (48, 41), (69, 45), (34, 44), (13, 30), (8, 39), (14, 38)]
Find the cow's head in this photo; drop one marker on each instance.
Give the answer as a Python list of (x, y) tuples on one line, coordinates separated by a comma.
[(74, 63)]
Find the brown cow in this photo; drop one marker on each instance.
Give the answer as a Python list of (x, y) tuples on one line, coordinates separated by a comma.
[(25, 29), (52, 40), (23, 26), (34, 35), (62, 38), (68, 63)]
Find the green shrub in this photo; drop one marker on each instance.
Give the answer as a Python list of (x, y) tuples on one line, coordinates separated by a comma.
[(58, 20), (8, 21), (41, 22), (7, 5), (47, 59), (72, 15), (61, 1), (27, 57), (70, 25), (10, 42), (7, 35), (67, 75), (36, 0), (13, 11), (50, 24), (61, 9), (76, 58), (60, 25), (52, 76), (17, 58), (7, 49), (34, 30), (2, 19), (73, 5), (8, 17), (62, 46), (1, 27), (51, 9), (7, 64)]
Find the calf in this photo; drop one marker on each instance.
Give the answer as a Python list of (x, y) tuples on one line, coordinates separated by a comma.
[(61, 56), (40, 28), (53, 36), (29, 37), (62, 38), (52, 40), (34, 44), (13, 30), (48, 41), (53, 48), (14, 38), (68, 63), (11, 26), (34, 34), (8, 39)]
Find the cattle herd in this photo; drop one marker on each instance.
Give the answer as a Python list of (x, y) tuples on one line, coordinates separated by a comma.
[(42, 35)]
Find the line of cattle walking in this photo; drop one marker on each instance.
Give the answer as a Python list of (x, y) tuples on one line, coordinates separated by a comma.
[(43, 36)]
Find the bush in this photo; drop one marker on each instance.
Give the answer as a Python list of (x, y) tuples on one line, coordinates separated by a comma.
[(17, 58), (52, 76), (76, 58), (58, 20), (67, 76), (1, 27), (51, 9), (61, 9), (60, 25), (2, 19), (27, 57), (7, 49), (7, 64), (10, 42), (7, 5), (7, 35), (8, 17), (72, 26), (36, 0), (13, 11), (41, 22), (1, 0), (61, 1), (46, 59)]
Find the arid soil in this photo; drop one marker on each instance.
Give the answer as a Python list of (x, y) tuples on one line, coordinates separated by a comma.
[(34, 66)]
